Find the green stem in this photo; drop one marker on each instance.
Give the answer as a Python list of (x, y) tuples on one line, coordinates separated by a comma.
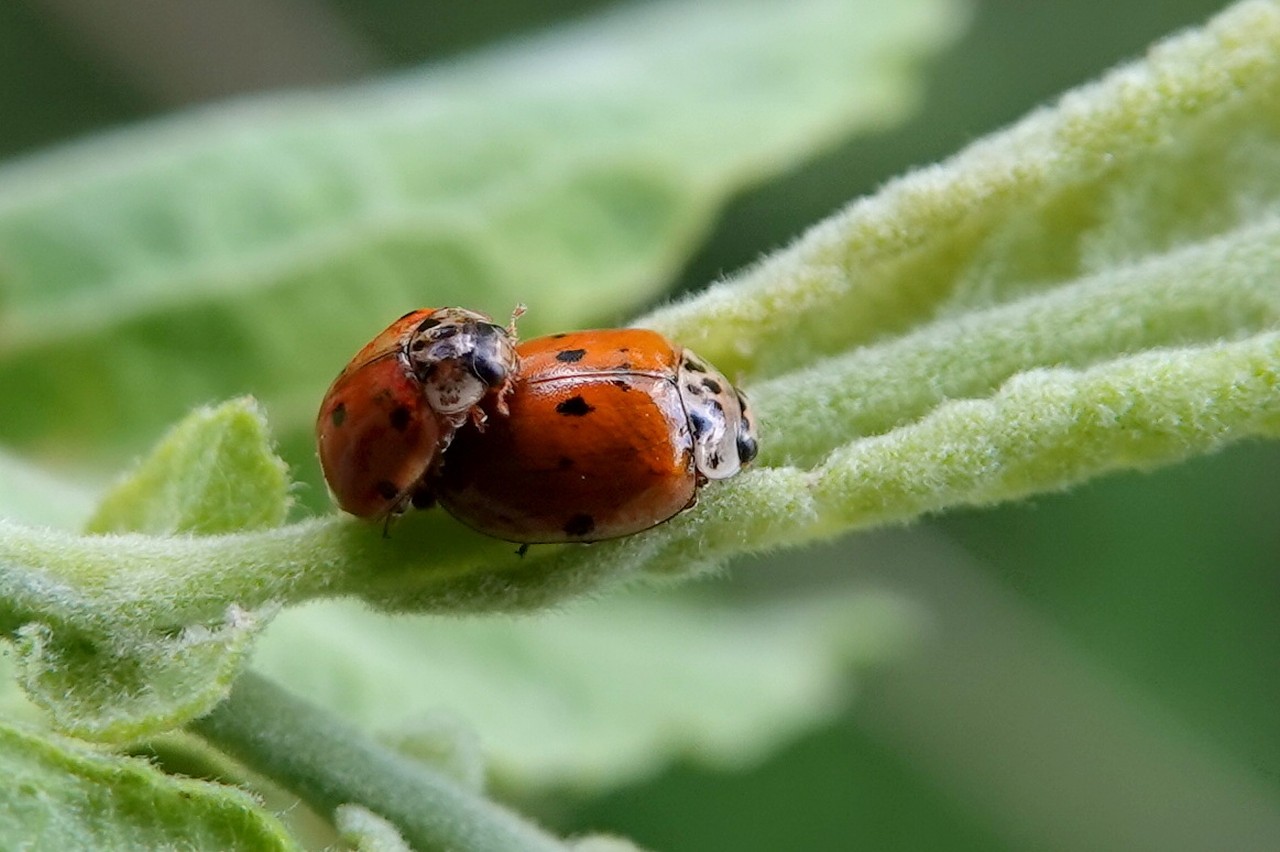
[(328, 763), (146, 583)]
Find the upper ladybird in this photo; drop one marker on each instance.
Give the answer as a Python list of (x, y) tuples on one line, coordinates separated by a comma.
[(608, 433), (400, 400)]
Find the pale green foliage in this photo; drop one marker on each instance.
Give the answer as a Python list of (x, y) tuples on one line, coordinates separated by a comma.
[(1003, 363), (59, 794), (595, 696), (123, 686), (1093, 289), (14, 704), (214, 473), (1163, 158), (102, 678), (253, 247)]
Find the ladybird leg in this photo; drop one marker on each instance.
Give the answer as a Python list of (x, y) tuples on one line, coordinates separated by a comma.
[(500, 398), (402, 504), (522, 550)]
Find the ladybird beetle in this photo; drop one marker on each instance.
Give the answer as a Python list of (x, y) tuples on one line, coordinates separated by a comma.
[(608, 433), (400, 400)]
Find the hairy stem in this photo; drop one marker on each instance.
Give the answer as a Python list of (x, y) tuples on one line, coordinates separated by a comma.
[(328, 763)]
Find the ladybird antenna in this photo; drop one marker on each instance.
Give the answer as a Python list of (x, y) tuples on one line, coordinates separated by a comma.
[(516, 312)]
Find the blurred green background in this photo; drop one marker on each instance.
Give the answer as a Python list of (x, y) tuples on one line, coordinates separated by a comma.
[(1101, 672)]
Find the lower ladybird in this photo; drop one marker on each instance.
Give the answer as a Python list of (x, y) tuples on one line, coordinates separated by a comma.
[(607, 433)]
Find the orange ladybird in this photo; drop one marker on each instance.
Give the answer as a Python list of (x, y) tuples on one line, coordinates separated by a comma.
[(400, 400), (609, 432)]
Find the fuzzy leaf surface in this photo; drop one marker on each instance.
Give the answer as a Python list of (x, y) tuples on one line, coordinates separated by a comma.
[(604, 693), (1094, 289), (103, 677), (56, 793)]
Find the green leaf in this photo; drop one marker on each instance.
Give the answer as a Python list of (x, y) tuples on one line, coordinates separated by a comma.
[(213, 473), (1093, 289), (57, 794), (251, 247), (14, 704), (605, 693), (123, 686), (1166, 158), (105, 677)]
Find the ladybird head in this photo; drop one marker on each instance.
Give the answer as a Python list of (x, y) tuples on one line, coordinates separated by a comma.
[(459, 356), (720, 419)]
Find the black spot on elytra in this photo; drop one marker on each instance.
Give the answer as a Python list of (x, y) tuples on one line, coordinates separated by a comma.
[(579, 525), (712, 385), (570, 356), (714, 405), (698, 424), (625, 365), (418, 345), (695, 366), (426, 324), (747, 449), (387, 489), (339, 414), (400, 417), (624, 348), (445, 333), (565, 463), (693, 389), (574, 406), (715, 460)]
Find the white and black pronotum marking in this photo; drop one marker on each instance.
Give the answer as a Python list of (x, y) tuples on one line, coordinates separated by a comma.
[(724, 432), (459, 356)]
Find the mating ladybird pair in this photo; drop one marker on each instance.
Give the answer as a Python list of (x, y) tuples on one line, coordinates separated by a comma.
[(572, 437)]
